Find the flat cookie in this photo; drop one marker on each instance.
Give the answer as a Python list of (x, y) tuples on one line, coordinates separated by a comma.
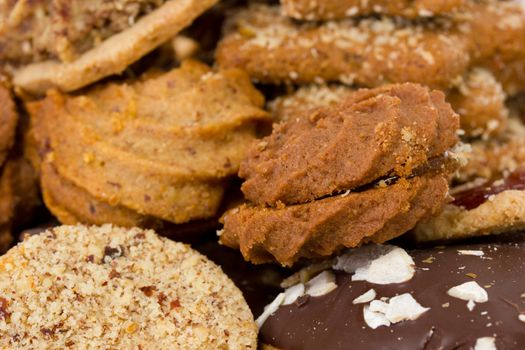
[(336, 9), (372, 52), (465, 296), (77, 287), (492, 207), (495, 156), (113, 54), (480, 102), (163, 146)]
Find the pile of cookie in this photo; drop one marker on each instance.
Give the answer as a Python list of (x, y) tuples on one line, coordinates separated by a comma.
[(368, 156)]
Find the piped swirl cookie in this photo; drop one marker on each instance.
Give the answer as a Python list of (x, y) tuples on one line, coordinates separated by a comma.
[(367, 169)]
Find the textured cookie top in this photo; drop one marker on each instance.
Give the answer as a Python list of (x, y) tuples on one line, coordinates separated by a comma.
[(84, 288), (371, 134)]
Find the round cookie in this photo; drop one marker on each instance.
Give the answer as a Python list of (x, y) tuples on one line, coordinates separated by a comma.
[(80, 287), (381, 297)]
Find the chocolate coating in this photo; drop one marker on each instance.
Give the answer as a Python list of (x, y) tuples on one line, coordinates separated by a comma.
[(333, 322)]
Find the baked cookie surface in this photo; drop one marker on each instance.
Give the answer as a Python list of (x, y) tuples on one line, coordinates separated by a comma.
[(85, 287)]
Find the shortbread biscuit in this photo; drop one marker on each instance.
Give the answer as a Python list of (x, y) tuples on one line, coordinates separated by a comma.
[(113, 54), (323, 227), (491, 207), (18, 197), (82, 287), (336, 9), (480, 102), (163, 146), (372, 51), (495, 156)]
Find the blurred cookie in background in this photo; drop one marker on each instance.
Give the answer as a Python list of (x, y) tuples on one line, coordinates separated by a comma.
[(70, 44)]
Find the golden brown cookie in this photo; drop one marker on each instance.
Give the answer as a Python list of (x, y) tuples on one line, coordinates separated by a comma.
[(163, 146), (335, 9), (91, 40), (109, 287), (480, 208), (366, 169), (371, 52), (480, 102), (495, 156)]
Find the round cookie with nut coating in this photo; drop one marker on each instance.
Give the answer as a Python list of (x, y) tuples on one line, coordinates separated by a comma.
[(80, 287)]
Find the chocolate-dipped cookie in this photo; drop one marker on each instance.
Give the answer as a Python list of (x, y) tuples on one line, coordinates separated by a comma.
[(468, 296)]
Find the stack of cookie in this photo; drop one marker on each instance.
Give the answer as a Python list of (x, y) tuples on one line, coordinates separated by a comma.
[(162, 148), (331, 139), (470, 50)]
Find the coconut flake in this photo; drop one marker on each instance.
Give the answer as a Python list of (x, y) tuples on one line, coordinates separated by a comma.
[(365, 297), (469, 291), (321, 284), (270, 309), (291, 294), (521, 317), (399, 308), (470, 305), (485, 343), (404, 307), (471, 252), (374, 319), (353, 259), (394, 267)]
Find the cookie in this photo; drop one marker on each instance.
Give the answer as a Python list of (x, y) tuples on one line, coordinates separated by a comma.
[(76, 287), (87, 52), (376, 164), (335, 9), (459, 296), (323, 227), (163, 147), (482, 208), (388, 131), (493, 157), (8, 122), (372, 51), (479, 100)]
